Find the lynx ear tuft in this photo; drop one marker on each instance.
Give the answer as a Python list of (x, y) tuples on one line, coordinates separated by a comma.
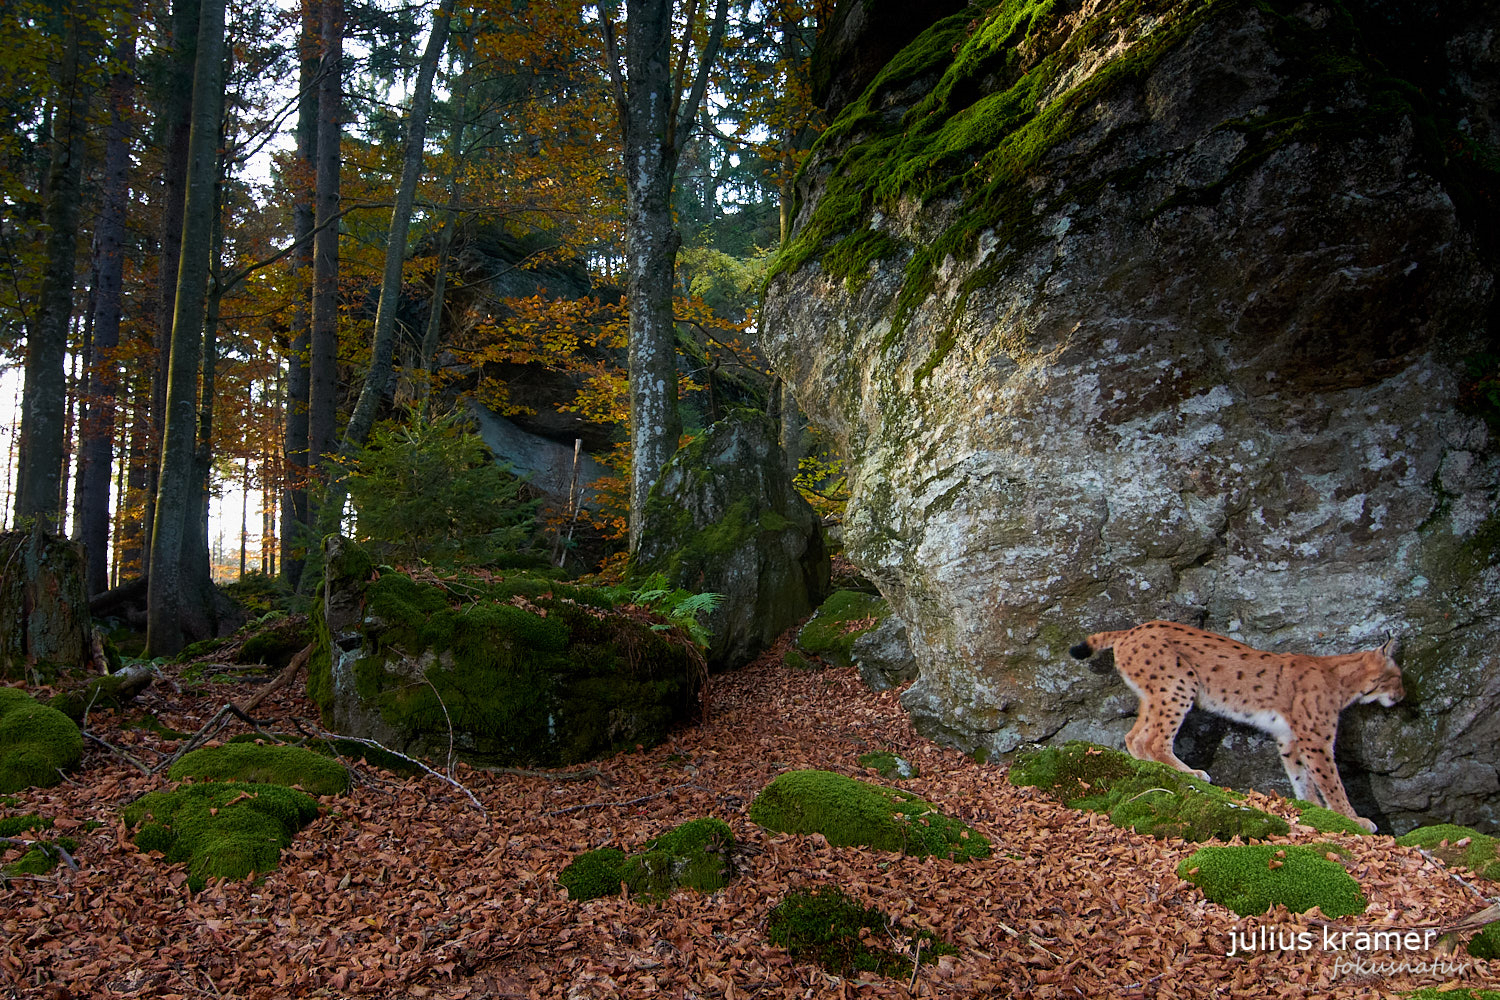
[(1082, 651), (1391, 647)]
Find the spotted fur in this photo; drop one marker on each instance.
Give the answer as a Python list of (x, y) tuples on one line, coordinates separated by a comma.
[(1294, 697)]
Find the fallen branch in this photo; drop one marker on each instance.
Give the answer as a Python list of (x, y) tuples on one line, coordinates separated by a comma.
[(205, 733), (282, 679), (45, 845)]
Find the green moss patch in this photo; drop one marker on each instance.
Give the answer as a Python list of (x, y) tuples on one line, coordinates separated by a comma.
[(887, 764), (339, 748), (694, 855), (270, 764), (275, 639), (37, 743), (829, 928), (858, 813), (1486, 944), (1250, 878), (1326, 820), (1445, 992), (1458, 845), (844, 617), (1144, 796), (223, 829), (109, 693)]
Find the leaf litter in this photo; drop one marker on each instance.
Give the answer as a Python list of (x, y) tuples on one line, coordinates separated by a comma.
[(402, 888)]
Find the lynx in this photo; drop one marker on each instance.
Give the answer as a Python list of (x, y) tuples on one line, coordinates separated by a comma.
[(1293, 697)]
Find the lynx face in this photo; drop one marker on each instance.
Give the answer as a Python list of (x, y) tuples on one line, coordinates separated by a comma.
[(1295, 698)]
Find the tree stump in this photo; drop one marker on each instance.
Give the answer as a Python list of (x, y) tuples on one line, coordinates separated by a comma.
[(44, 608)]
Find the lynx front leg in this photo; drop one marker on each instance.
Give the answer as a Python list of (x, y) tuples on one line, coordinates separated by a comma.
[(1320, 765)]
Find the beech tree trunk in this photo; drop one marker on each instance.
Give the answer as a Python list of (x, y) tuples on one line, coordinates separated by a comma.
[(655, 114), (98, 424), (44, 396), (44, 613), (175, 486), (323, 364), (294, 520)]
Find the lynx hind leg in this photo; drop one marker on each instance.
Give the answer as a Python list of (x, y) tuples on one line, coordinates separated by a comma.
[(1160, 716), (1297, 773), (1320, 766)]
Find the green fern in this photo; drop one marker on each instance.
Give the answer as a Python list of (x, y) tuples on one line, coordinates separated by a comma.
[(681, 608)]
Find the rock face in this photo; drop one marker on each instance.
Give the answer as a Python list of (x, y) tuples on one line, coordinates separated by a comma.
[(725, 518), (1167, 311)]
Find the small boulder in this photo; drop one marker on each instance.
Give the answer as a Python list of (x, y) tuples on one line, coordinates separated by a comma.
[(725, 518), (883, 655), (839, 621), (694, 855)]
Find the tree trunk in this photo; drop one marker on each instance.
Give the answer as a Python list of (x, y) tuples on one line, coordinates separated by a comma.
[(175, 487), (294, 520), (44, 614), (44, 401), (97, 444), (175, 127), (432, 337), (383, 346), (655, 114), (323, 363)]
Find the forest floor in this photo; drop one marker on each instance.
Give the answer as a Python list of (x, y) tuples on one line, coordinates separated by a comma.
[(402, 888)]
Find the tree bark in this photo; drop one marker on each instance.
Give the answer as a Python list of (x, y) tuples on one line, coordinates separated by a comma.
[(98, 428), (174, 488), (44, 399), (323, 363), (44, 614), (175, 127), (655, 114), (294, 521)]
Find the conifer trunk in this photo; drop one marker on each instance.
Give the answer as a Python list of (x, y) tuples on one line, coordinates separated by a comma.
[(323, 363)]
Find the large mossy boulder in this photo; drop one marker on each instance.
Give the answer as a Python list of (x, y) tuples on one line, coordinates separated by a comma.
[(1142, 795), (725, 518), (839, 621), (1131, 311), (37, 743), (1250, 878), (849, 812), (513, 670), (221, 829)]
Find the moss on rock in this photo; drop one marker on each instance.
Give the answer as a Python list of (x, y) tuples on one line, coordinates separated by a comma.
[(1326, 820), (887, 764), (1250, 878), (844, 617), (37, 743), (694, 855), (1144, 796), (858, 813), (220, 829), (1458, 845), (829, 928), (260, 763)]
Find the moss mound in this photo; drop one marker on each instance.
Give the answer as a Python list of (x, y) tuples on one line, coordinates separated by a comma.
[(825, 926), (844, 617), (887, 764), (526, 669), (37, 743), (221, 829), (261, 763), (338, 749), (275, 639), (1326, 820), (1250, 878), (1458, 845), (695, 855), (1486, 944), (1143, 796), (857, 813)]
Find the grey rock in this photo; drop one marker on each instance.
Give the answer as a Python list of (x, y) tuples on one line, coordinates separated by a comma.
[(725, 518), (1200, 364), (884, 657)]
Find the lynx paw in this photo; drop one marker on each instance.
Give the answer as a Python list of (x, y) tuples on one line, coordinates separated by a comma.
[(1368, 824), (1203, 775)]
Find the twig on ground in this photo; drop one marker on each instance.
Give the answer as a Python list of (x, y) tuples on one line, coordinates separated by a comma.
[(144, 768), (446, 718), (1455, 876), (207, 731), (411, 760), (45, 845)]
